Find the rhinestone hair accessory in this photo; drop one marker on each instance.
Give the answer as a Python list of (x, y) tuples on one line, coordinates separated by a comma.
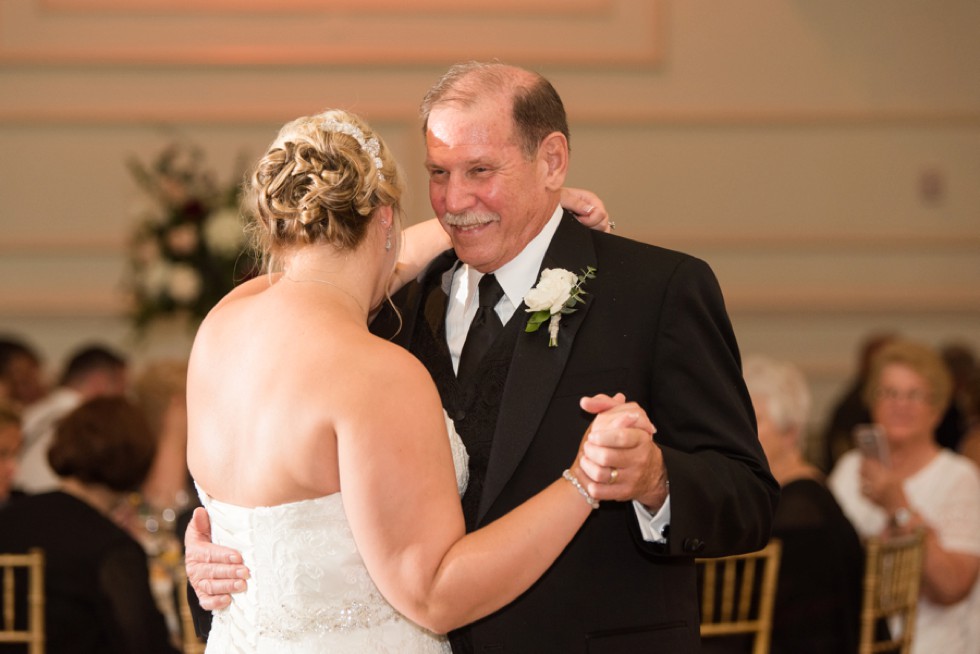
[(371, 145)]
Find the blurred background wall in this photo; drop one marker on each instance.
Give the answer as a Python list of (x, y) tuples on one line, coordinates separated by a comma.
[(822, 155)]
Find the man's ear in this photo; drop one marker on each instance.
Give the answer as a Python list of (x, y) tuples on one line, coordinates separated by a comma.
[(553, 158)]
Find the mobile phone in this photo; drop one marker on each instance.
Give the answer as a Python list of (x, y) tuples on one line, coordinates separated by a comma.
[(870, 439)]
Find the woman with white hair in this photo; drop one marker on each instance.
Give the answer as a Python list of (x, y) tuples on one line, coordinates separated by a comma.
[(818, 592)]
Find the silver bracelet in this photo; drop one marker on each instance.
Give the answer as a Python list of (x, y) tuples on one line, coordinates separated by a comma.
[(594, 503)]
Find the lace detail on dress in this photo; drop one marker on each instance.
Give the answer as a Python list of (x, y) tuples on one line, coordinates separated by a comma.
[(309, 589), (461, 459)]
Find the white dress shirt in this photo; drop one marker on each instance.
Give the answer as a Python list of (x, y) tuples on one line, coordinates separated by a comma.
[(516, 277)]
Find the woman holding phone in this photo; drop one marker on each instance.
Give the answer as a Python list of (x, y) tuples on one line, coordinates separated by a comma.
[(920, 486)]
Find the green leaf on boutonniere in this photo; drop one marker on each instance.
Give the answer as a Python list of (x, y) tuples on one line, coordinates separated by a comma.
[(537, 319)]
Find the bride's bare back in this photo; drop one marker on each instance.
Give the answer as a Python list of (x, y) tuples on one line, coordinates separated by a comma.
[(272, 374)]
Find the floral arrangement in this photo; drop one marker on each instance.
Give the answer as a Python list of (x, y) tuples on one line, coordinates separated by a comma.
[(188, 248), (555, 295)]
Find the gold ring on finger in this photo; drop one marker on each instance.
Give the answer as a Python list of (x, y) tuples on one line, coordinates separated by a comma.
[(613, 476)]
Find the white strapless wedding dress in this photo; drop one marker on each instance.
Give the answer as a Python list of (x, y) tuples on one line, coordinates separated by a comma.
[(309, 591)]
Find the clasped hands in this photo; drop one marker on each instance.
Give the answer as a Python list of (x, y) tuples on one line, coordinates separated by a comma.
[(618, 454)]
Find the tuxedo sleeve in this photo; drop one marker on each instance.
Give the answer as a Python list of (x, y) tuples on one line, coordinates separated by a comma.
[(722, 493)]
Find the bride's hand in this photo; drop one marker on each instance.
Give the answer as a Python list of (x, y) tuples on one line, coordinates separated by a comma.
[(212, 570), (587, 207)]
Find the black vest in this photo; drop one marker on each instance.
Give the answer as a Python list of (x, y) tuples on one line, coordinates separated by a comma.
[(473, 406)]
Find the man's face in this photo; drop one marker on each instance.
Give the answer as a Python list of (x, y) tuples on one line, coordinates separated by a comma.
[(488, 196)]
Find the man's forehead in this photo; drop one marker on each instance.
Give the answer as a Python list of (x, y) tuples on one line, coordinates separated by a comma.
[(455, 129)]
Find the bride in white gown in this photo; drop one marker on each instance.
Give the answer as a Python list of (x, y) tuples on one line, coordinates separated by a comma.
[(321, 451), (309, 584)]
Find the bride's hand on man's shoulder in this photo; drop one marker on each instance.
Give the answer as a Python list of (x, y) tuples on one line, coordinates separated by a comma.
[(214, 572), (587, 207)]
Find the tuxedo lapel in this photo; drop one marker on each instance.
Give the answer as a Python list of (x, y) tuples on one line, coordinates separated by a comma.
[(536, 368), (435, 284)]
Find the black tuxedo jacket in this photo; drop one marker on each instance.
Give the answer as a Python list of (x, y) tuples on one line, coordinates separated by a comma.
[(654, 327)]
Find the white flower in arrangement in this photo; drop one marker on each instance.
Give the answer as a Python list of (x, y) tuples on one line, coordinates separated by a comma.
[(156, 278), (556, 294), (182, 239), (223, 232), (185, 283)]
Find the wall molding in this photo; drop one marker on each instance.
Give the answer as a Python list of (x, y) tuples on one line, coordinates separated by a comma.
[(194, 7), (883, 300), (589, 33), (97, 112), (740, 301), (743, 241)]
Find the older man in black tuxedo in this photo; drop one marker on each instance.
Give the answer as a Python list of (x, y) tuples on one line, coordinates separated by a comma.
[(653, 327)]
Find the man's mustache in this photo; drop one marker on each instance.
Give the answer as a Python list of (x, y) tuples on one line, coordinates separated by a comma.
[(470, 218)]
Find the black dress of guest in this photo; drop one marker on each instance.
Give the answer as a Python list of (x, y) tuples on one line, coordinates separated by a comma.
[(818, 590), (96, 579), (818, 594)]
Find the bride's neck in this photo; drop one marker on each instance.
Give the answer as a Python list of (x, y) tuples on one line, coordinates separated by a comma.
[(346, 274)]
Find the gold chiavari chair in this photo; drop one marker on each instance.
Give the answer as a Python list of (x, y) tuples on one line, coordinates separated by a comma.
[(28, 630), (738, 593), (892, 578)]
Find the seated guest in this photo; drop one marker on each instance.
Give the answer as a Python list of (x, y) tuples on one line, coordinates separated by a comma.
[(20, 372), (970, 445), (97, 592), (818, 592), (919, 485), (91, 371), (10, 442)]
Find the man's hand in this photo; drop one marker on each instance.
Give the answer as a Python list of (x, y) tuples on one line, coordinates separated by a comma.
[(213, 571), (622, 464)]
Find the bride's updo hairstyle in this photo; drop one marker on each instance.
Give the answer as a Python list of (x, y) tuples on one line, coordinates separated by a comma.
[(320, 182)]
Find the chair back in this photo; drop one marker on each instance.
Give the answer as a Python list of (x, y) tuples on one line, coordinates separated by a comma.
[(890, 593), (738, 593), (26, 570)]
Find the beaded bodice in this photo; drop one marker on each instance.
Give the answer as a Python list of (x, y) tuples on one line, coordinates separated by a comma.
[(309, 590)]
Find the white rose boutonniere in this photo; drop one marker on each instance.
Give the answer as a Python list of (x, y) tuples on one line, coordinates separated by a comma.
[(556, 294)]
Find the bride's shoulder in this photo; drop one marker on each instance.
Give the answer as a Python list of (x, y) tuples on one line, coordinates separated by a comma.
[(393, 361)]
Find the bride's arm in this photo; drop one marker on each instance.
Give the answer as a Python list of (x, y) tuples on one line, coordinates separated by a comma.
[(401, 500), (420, 244), (424, 241)]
